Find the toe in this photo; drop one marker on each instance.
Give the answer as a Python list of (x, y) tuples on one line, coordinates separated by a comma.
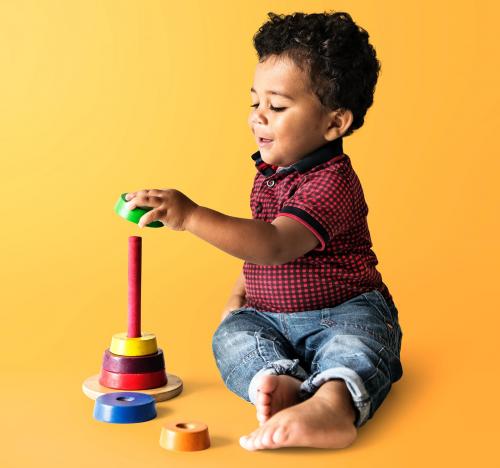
[(267, 383), (257, 440), (247, 442), (267, 437), (262, 418), (263, 398), (265, 410), (279, 436)]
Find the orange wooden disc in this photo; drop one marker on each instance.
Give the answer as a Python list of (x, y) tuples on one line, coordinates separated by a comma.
[(185, 436)]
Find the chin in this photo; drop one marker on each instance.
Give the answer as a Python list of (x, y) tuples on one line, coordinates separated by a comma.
[(268, 158)]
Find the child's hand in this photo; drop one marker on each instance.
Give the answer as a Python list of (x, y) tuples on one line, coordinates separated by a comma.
[(170, 206)]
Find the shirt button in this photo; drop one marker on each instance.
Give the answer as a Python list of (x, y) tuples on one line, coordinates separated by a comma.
[(270, 183), (258, 208)]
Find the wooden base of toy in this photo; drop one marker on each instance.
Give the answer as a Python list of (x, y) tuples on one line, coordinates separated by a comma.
[(93, 389)]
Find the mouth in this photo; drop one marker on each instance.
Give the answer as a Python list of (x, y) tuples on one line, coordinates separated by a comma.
[(264, 141)]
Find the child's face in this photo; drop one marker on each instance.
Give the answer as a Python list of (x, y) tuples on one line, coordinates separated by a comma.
[(298, 126)]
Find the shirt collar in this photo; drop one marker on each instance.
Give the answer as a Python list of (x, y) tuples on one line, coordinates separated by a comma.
[(318, 156)]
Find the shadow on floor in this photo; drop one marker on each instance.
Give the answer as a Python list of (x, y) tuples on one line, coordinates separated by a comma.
[(192, 386), (417, 373)]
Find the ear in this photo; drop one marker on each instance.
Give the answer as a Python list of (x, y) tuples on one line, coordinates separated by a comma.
[(339, 122)]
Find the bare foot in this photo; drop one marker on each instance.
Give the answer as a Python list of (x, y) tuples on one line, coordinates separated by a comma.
[(326, 420), (275, 392)]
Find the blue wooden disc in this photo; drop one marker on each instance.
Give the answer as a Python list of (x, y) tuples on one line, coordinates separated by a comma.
[(124, 407)]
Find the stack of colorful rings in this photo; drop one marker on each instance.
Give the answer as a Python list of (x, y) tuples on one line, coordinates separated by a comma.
[(133, 363), (133, 360)]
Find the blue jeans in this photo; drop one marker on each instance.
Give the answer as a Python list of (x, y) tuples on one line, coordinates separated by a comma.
[(358, 341)]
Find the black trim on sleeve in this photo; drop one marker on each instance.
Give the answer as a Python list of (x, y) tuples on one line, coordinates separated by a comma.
[(304, 215)]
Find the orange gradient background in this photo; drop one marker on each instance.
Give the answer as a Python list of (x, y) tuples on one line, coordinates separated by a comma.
[(103, 97)]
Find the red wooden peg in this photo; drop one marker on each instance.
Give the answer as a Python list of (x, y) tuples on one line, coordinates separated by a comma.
[(134, 286)]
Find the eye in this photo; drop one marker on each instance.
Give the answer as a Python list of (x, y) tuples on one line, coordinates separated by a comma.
[(274, 109)]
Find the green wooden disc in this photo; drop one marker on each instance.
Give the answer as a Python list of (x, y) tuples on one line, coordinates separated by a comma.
[(135, 214)]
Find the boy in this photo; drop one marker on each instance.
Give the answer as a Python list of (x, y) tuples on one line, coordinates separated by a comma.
[(310, 334)]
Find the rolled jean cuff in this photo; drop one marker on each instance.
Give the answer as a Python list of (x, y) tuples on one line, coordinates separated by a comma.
[(354, 383), (280, 367)]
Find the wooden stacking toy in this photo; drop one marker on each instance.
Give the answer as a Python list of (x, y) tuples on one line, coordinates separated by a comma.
[(133, 361)]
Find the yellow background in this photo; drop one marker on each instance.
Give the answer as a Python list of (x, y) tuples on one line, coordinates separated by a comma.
[(102, 97)]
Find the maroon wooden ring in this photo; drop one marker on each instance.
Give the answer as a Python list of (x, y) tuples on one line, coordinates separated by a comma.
[(133, 381), (133, 364)]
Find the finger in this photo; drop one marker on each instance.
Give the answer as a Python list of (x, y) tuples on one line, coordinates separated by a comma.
[(145, 201), (131, 195), (157, 193), (141, 196), (149, 217)]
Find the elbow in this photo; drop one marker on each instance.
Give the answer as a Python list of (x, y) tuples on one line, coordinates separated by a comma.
[(279, 259), (279, 262), (275, 256), (270, 261), (274, 250)]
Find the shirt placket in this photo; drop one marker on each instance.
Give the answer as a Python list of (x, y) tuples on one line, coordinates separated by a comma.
[(267, 186)]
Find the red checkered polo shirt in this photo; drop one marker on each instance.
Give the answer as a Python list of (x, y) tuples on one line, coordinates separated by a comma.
[(322, 192)]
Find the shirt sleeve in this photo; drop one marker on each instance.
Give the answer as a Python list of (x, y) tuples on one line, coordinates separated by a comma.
[(323, 202)]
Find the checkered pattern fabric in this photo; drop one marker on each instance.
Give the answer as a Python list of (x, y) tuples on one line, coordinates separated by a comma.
[(322, 192)]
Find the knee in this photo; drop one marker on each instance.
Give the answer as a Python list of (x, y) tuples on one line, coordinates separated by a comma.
[(218, 338), (229, 340)]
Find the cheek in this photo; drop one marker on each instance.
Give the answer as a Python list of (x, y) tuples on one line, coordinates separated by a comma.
[(284, 125), (290, 130)]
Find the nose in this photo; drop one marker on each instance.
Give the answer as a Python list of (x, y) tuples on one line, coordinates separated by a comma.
[(257, 117)]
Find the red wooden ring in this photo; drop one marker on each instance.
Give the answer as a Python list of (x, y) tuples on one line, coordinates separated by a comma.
[(133, 364), (133, 381)]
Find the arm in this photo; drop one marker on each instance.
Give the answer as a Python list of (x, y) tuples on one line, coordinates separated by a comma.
[(239, 287), (252, 240), (237, 297)]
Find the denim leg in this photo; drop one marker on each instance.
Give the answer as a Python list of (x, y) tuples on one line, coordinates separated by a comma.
[(247, 344), (346, 357), (359, 343)]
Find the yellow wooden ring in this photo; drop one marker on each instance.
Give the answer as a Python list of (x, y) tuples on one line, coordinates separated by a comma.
[(122, 345)]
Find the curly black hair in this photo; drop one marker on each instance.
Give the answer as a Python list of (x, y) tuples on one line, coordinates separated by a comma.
[(333, 51)]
